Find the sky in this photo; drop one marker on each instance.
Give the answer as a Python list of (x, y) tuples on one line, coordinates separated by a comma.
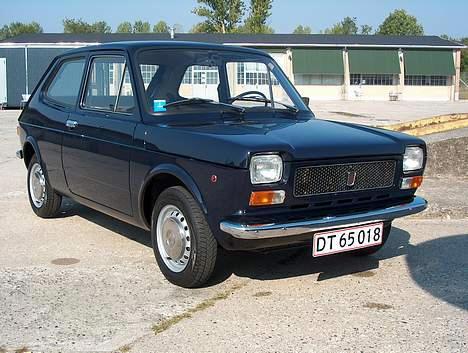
[(437, 17)]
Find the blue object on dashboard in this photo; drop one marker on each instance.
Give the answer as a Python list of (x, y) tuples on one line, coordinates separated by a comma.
[(159, 105)]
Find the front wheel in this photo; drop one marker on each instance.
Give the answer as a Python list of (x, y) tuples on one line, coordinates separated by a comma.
[(184, 247), (44, 201)]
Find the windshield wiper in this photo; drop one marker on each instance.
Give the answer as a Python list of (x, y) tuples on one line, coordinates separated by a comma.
[(188, 101), (203, 101), (269, 101)]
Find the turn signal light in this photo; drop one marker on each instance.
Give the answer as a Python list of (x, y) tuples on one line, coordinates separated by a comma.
[(265, 198), (411, 182)]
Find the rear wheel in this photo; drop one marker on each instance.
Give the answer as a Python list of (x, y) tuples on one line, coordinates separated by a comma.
[(373, 249), (184, 247), (44, 201)]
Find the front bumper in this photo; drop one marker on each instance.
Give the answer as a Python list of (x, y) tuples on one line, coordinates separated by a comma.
[(274, 230)]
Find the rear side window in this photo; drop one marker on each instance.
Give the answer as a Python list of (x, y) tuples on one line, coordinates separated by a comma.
[(65, 86), (109, 86)]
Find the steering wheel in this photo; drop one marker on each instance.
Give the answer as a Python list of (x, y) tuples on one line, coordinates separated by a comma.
[(246, 96)]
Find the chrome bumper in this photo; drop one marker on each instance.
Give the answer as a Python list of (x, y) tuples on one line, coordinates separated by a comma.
[(272, 230)]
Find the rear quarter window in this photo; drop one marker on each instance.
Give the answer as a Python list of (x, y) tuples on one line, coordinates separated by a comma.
[(65, 85)]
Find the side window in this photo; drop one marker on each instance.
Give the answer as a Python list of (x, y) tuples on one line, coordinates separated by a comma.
[(65, 86), (109, 87)]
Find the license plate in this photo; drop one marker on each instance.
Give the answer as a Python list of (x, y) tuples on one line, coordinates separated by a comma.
[(347, 239)]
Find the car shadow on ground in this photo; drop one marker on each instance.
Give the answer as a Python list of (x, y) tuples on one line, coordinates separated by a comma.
[(71, 208), (438, 266)]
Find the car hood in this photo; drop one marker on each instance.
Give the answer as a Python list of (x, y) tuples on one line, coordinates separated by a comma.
[(232, 142)]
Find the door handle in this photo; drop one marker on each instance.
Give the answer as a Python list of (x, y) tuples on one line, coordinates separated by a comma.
[(71, 124)]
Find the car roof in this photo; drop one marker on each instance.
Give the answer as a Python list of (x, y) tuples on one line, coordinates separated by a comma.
[(137, 45)]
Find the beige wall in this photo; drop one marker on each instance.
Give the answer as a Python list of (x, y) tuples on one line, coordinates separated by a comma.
[(427, 93), (371, 92), (316, 92)]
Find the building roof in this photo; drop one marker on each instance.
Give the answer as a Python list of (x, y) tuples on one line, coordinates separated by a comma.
[(135, 45), (257, 40)]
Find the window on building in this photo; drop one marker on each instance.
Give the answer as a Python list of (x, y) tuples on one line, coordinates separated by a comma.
[(111, 74), (200, 81), (109, 94), (317, 79), (374, 79), (201, 75), (418, 80), (65, 86), (147, 73), (253, 74)]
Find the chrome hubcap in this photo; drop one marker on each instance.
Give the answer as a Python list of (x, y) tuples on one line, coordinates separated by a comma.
[(37, 185), (173, 238)]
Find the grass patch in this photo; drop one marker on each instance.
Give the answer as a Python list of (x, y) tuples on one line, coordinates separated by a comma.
[(208, 303), (262, 294), (378, 306), (23, 349), (125, 349)]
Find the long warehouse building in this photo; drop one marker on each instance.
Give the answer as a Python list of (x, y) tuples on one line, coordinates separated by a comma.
[(323, 67)]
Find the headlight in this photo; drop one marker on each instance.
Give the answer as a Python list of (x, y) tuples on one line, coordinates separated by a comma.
[(413, 159), (266, 168)]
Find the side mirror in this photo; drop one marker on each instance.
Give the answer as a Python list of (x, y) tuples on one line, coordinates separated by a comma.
[(306, 100)]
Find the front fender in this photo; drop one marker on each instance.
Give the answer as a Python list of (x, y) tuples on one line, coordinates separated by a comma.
[(179, 173)]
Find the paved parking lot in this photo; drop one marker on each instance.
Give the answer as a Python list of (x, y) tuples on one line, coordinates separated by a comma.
[(87, 282), (381, 113)]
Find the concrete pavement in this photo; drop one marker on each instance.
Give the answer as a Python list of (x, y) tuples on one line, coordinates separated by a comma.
[(410, 297), (84, 282), (380, 113)]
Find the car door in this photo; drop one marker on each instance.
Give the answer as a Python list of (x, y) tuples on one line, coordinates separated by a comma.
[(96, 154)]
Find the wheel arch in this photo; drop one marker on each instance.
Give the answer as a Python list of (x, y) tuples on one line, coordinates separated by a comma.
[(30, 148), (159, 179)]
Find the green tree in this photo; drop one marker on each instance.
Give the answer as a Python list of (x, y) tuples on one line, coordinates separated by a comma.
[(221, 16), (347, 26), (256, 21), (101, 27), (72, 25), (366, 29), (17, 28), (400, 23), (125, 27), (464, 56), (141, 27), (161, 27), (302, 30)]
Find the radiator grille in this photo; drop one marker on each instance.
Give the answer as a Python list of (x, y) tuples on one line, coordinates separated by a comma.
[(326, 179)]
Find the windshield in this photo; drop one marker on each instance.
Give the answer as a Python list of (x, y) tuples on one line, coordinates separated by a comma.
[(188, 80)]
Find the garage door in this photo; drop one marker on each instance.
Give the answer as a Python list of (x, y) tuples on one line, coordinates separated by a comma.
[(3, 81)]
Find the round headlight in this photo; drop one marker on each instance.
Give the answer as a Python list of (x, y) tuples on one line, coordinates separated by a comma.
[(413, 159), (266, 168)]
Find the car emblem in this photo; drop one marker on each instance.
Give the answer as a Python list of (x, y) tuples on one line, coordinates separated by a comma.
[(351, 178)]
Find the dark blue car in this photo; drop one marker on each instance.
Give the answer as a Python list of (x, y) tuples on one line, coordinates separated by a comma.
[(208, 145)]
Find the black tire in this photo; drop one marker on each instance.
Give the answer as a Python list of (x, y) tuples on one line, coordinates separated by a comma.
[(203, 245), (372, 250), (52, 201)]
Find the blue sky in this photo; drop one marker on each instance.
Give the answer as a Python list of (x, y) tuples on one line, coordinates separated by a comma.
[(437, 17)]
